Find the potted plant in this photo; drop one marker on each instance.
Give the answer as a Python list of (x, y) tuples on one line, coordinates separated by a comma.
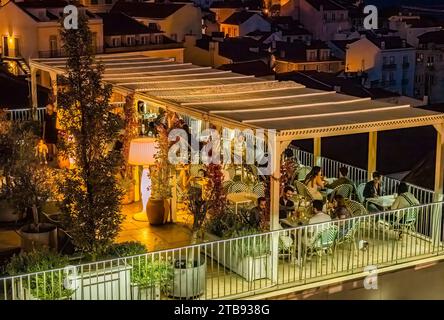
[(158, 207), (189, 276), (32, 186), (248, 256), (150, 277), (8, 154), (41, 285)]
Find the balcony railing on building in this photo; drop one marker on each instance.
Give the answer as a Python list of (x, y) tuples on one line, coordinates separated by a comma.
[(60, 53), (389, 66)]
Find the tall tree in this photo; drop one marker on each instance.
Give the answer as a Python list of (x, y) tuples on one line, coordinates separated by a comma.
[(91, 201)]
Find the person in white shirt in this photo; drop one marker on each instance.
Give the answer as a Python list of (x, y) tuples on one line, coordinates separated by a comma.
[(319, 218), (404, 199)]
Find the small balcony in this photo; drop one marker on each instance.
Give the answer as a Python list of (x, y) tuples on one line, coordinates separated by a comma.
[(389, 66)]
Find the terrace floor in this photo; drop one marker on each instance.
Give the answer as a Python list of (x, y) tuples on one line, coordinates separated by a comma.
[(170, 235)]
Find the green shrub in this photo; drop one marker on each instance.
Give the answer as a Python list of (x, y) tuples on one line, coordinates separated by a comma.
[(127, 249), (49, 285), (148, 273)]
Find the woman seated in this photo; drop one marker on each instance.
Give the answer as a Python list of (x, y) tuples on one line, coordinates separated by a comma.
[(315, 182), (340, 211)]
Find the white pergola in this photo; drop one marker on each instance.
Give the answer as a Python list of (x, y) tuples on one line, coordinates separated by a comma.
[(231, 100)]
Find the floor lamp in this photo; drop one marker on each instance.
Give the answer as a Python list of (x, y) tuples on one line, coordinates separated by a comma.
[(141, 153)]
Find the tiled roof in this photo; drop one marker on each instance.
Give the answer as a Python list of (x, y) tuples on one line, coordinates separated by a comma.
[(118, 23), (342, 44), (147, 9), (432, 37), (390, 42), (327, 4), (238, 18), (256, 68)]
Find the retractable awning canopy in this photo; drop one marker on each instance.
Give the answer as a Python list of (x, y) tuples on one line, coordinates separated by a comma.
[(241, 101)]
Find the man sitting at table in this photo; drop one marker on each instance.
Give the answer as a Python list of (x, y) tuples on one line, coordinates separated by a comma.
[(373, 189), (319, 218), (286, 205), (257, 213)]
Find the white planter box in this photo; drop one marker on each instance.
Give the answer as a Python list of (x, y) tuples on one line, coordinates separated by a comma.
[(188, 282), (249, 268), (149, 293), (112, 283)]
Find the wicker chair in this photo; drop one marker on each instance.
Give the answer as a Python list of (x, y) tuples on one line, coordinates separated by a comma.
[(238, 187), (226, 185), (345, 190), (356, 209), (360, 192), (302, 173), (302, 190), (259, 189)]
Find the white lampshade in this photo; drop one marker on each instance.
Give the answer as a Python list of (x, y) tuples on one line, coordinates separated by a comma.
[(142, 151)]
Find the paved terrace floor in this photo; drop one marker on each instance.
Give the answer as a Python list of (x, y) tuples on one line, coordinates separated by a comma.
[(171, 235)]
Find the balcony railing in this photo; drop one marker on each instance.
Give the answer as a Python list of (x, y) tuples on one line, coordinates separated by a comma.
[(249, 265), (60, 53), (389, 66), (25, 114)]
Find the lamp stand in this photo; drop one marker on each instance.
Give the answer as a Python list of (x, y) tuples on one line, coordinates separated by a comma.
[(145, 189)]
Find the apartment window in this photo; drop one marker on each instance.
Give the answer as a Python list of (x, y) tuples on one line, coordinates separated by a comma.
[(94, 42), (17, 47), (392, 60), (130, 41), (405, 59), (94, 2), (325, 16), (430, 59), (333, 16), (158, 39), (116, 42), (420, 57), (53, 46), (391, 76), (384, 60), (342, 16), (143, 40)]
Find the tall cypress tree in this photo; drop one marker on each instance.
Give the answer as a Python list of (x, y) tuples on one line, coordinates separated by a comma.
[(91, 196)]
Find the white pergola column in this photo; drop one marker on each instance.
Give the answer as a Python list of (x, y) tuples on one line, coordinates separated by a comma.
[(53, 82), (437, 227), (372, 153), (317, 151), (439, 164), (34, 91)]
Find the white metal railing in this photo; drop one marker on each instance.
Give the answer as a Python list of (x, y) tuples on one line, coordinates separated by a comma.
[(247, 265), (25, 114)]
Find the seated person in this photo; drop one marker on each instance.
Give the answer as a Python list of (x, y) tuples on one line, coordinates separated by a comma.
[(286, 205), (315, 182), (343, 179), (257, 213), (373, 189), (405, 199), (318, 217), (340, 211)]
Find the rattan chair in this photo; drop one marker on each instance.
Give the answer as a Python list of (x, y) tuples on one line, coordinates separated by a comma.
[(345, 190), (302, 190), (356, 209), (259, 189), (238, 187)]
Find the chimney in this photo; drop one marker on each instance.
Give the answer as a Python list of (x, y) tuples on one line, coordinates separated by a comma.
[(383, 45)]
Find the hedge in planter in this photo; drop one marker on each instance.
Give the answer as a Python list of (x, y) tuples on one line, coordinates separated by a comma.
[(42, 285)]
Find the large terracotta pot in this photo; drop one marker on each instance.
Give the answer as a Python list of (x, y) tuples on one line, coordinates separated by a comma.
[(158, 211), (46, 237), (128, 197)]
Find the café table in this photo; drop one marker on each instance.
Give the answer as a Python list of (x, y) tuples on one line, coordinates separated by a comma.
[(293, 222), (384, 202), (241, 198)]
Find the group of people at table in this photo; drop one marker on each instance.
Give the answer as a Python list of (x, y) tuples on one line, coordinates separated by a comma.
[(326, 207)]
